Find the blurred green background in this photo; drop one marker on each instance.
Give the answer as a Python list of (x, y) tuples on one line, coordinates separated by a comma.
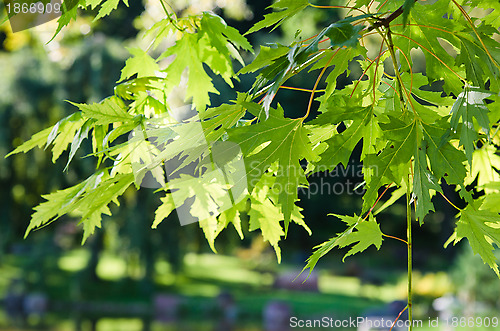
[(129, 277)]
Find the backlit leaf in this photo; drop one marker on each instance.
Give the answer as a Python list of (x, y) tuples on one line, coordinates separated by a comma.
[(423, 182), (359, 233), (482, 229), (140, 64), (469, 106), (284, 10)]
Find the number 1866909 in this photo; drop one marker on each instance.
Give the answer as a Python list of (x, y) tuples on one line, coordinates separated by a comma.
[(472, 322), (33, 8)]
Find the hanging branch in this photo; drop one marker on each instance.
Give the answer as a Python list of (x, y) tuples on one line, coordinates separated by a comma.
[(386, 21)]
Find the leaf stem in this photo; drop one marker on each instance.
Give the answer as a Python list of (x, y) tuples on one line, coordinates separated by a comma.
[(313, 92), (300, 89), (434, 55), (399, 81), (380, 53), (451, 203), (386, 21), (409, 239), (401, 312), (172, 21), (409, 66), (333, 7), (380, 197), (388, 236)]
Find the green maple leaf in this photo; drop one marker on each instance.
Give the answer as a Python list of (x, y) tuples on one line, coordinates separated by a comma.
[(95, 202), (286, 9), (108, 111), (187, 55), (141, 63), (65, 134), (343, 33), (470, 56), (217, 120), (93, 3), (281, 141), (223, 37), (273, 76), (37, 140), (107, 7), (367, 233), (214, 44), (446, 161), (210, 193), (142, 155), (393, 162), (79, 136), (484, 162), (71, 129), (361, 124), (469, 106), (232, 215), (300, 55), (57, 204), (224, 41), (425, 34), (340, 63), (89, 199), (407, 6), (267, 56), (423, 181), (266, 216), (164, 210), (482, 229), (69, 11)]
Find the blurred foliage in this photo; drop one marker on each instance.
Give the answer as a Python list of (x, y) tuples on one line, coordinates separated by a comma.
[(475, 283)]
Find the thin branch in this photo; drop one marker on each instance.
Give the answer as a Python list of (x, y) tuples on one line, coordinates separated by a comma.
[(400, 313), (386, 21), (395, 91), (431, 53), (451, 203), (380, 53), (409, 66), (386, 235), (311, 99), (399, 81), (364, 72), (300, 89), (428, 27), (332, 7), (380, 197), (410, 256)]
